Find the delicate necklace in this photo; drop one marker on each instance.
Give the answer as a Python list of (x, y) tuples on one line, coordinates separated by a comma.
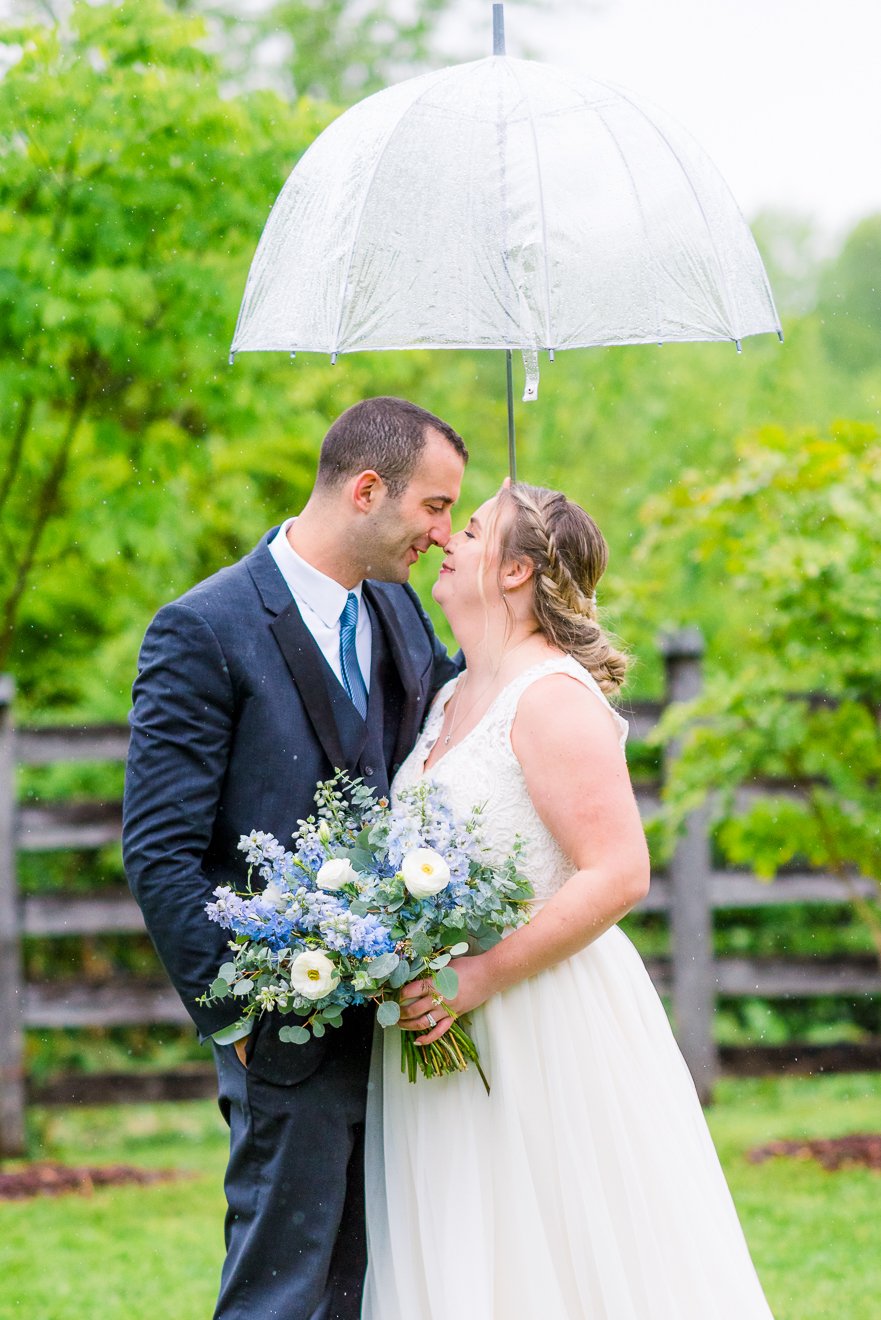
[(455, 716)]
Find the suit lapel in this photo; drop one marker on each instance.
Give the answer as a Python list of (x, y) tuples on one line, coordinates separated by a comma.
[(396, 637), (339, 729), (327, 705)]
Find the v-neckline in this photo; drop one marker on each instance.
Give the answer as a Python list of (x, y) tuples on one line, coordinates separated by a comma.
[(427, 769)]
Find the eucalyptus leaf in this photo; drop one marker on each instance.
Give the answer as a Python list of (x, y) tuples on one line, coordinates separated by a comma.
[(219, 988), (228, 972), (242, 987), (361, 859), (400, 976), (388, 1013), (440, 961), (447, 982), (383, 966), (458, 949), (293, 1035), (317, 1028)]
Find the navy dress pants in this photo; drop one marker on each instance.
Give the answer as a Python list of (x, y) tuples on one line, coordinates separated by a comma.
[(295, 1233)]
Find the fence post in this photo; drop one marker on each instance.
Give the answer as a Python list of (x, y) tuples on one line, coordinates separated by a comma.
[(12, 1095), (691, 912)]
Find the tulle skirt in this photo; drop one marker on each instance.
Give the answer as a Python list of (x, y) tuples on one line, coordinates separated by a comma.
[(584, 1187)]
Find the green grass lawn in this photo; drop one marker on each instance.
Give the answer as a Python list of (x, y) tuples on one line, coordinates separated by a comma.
[(153, 1253)]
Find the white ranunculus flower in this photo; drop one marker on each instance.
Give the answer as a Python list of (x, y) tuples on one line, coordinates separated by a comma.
[(275, 897), (425, 872), (313, 974), (335, 873)]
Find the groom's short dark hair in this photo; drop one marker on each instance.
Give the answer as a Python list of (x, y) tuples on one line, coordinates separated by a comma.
[(384, 434)]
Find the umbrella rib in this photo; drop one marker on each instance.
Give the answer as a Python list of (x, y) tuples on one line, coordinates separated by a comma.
[(549, 341), (356, 229), (723, 282), (642, 216)]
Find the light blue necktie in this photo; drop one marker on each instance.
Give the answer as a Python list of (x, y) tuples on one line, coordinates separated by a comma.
[(353, 679)]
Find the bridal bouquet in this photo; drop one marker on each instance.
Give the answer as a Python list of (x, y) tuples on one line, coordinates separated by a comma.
[(368, 900)]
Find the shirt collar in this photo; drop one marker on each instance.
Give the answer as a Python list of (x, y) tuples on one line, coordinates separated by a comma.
[(308, 584)]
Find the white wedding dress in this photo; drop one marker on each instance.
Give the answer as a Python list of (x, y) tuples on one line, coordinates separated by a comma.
[(586, 1185)]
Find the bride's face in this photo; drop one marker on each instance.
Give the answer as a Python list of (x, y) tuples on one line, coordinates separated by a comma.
[(469, 573)]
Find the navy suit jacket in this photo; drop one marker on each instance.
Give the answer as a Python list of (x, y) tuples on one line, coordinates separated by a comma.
[(236, 716)]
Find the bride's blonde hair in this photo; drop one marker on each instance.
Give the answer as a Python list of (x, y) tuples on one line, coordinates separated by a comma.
[(569, 555)]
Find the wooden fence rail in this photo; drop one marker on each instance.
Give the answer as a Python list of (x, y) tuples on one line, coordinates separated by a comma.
[(688, 892)]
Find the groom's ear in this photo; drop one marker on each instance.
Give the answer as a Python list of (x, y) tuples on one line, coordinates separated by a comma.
[(366, 490)]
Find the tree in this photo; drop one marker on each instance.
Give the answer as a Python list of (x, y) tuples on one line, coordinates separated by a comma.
[(793, 535), (335, 50), (850, 300), (130, 196)]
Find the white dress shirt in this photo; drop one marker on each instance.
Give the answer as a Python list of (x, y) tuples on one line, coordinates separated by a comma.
[(320, 600)]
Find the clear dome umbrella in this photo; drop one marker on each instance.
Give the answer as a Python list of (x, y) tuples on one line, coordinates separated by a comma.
[(502, 204)]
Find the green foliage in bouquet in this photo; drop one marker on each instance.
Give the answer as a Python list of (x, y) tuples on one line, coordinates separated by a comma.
[(372, 898)]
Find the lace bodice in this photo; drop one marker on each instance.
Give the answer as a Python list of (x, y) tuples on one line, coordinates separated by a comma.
[(482, 768)]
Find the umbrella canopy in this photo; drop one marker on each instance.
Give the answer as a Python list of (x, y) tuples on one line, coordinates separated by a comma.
[(502, 204)]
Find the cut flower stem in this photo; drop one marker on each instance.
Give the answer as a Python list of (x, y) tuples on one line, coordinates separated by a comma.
[(450, 1053)]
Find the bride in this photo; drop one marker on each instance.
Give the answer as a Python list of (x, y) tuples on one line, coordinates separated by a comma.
[(585, 1186)]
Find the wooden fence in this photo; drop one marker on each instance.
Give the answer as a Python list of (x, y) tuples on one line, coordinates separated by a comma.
[(689, 892)]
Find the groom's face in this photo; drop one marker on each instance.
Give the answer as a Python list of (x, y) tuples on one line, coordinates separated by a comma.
[(403, 528)]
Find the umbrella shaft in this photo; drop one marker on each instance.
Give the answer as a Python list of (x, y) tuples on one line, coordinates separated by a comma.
[(498, 29), (512, 450)]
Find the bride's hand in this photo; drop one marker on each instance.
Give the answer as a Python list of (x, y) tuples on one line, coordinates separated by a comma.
[(420, 998)]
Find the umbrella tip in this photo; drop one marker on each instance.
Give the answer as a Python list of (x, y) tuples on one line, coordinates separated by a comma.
[(551, 357), (232, 358), (738, 345), (333, 358), (498, 29), (293, 355), (780, 335)]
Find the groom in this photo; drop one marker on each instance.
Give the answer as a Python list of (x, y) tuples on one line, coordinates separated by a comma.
[(309, 654)]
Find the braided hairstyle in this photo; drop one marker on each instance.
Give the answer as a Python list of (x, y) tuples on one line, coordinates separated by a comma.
[(569, 556)]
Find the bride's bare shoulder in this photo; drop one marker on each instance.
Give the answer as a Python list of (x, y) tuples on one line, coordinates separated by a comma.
[(560, 712)]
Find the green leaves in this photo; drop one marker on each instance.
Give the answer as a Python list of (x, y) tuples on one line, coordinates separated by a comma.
[(401, 975), (294, 1035), (380, 968), (447, 982), (793, 707), (388, 1013), (132, 193)]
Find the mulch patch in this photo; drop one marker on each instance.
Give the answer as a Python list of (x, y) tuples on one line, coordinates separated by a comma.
[(832, 1152), (48, 1178)]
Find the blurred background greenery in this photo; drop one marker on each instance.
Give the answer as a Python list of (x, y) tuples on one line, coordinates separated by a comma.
[(140, 159)]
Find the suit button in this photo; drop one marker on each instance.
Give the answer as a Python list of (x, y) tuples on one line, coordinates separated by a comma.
[(368, 769)]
